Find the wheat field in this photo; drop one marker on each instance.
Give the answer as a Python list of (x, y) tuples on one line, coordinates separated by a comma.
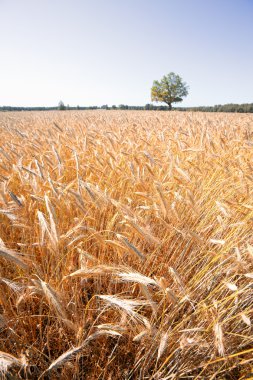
[(126, 245)]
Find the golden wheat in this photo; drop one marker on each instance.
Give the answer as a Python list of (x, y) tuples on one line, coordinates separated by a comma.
[(126, 245)]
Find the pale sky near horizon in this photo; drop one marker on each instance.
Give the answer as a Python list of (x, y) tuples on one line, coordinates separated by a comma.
[(95, 52)]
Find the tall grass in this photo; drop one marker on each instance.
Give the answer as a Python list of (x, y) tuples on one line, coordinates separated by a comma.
[(126, 245)]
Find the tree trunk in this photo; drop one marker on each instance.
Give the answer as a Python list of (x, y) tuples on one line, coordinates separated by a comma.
[(170, 106)]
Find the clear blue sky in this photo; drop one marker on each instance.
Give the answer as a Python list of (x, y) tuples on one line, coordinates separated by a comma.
[(95, 52)]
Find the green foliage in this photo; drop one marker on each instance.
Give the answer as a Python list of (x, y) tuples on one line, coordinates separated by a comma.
[(61, 106), (123, 107), (237, 108), (149, 107), (231, 107), (171, 89)]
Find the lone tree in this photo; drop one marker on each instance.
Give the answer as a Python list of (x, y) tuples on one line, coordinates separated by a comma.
[(170, 89), (61, 106)]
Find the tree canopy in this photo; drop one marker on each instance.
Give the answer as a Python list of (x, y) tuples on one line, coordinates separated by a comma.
[(171, 89), (61, 106)]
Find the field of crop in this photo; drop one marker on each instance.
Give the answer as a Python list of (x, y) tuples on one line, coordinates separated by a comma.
[(126, 245)]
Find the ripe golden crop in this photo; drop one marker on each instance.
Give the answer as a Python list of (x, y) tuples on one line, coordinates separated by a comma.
[(126, 245)]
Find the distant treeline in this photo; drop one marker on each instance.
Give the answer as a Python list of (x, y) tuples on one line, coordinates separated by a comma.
[(247, 107)]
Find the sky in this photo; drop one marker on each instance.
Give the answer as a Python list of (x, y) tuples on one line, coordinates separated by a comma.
[(96, 52)]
